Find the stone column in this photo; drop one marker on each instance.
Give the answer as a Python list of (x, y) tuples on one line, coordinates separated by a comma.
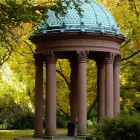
[(38, 96), (116, 85), (73, 96), (109, 90), (50, 114), (100, 88), (81, 91)]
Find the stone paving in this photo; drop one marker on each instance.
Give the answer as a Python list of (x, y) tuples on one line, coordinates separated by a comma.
[(55, 138), (58, 138)]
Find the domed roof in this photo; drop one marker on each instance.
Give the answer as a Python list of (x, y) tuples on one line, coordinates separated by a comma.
[(95, 18)]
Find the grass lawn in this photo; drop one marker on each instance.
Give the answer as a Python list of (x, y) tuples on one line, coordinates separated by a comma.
[(11, 134)]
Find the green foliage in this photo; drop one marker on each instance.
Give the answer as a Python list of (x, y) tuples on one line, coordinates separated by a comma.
[(130, 81), (121, 128), (13, 14), (62, 120), (18, 18), (63, 84), (13, 116), (18, 121), (93, 115), (130, 49), (137, 105)]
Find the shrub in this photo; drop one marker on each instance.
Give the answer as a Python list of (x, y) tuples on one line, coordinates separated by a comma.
[(62, 120), (120, 128), (19, 122), (15, 116), (137, 105)]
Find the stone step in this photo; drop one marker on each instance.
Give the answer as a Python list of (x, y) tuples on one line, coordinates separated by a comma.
[(55, 138)]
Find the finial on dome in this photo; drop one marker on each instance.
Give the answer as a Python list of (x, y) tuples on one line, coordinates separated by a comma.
[(63, 27), (82, 26)]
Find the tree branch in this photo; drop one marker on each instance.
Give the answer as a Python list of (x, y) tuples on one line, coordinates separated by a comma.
[(130, 56), (64, 77), (5, 57), (29, 46)]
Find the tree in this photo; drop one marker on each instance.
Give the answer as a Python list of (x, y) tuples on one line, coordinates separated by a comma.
[(16, 12), (18, 20), (11, 20), (127, 15)]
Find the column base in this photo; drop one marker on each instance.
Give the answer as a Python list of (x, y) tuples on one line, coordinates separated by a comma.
[(82, 132), (84, 137), (50, 136), (38, 135)]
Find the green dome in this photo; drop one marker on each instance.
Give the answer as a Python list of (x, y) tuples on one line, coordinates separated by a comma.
[(95, 19)]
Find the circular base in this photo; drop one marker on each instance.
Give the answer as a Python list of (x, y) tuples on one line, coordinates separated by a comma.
[(46, 138), (55, 138), (27, 138)]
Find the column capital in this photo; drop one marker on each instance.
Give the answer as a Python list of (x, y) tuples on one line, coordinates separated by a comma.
[(82, 56), (109, 58), (117, 60), (50, 57), (39, 59)]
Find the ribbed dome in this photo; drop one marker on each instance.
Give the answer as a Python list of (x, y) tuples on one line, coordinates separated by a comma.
[(95, 18)]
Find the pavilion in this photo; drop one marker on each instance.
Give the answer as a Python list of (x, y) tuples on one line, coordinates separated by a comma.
[(94, 35)]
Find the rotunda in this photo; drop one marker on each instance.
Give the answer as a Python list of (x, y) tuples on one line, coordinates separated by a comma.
[(92, 35)]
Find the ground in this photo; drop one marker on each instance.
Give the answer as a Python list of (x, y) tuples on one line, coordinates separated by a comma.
[(11, 134)]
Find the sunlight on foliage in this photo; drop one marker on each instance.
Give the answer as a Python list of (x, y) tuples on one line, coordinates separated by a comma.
[(18, 20)]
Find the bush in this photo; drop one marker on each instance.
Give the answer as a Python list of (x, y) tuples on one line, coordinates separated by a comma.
[(121, 128), (15, 116), (62, 120), (18, 122), (137, 105)]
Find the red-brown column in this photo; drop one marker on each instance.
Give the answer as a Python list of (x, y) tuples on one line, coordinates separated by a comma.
[(73, 100), (50, 116), (100, 89), (81, 91), (38, 96), (116, 85), (109, 90)]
